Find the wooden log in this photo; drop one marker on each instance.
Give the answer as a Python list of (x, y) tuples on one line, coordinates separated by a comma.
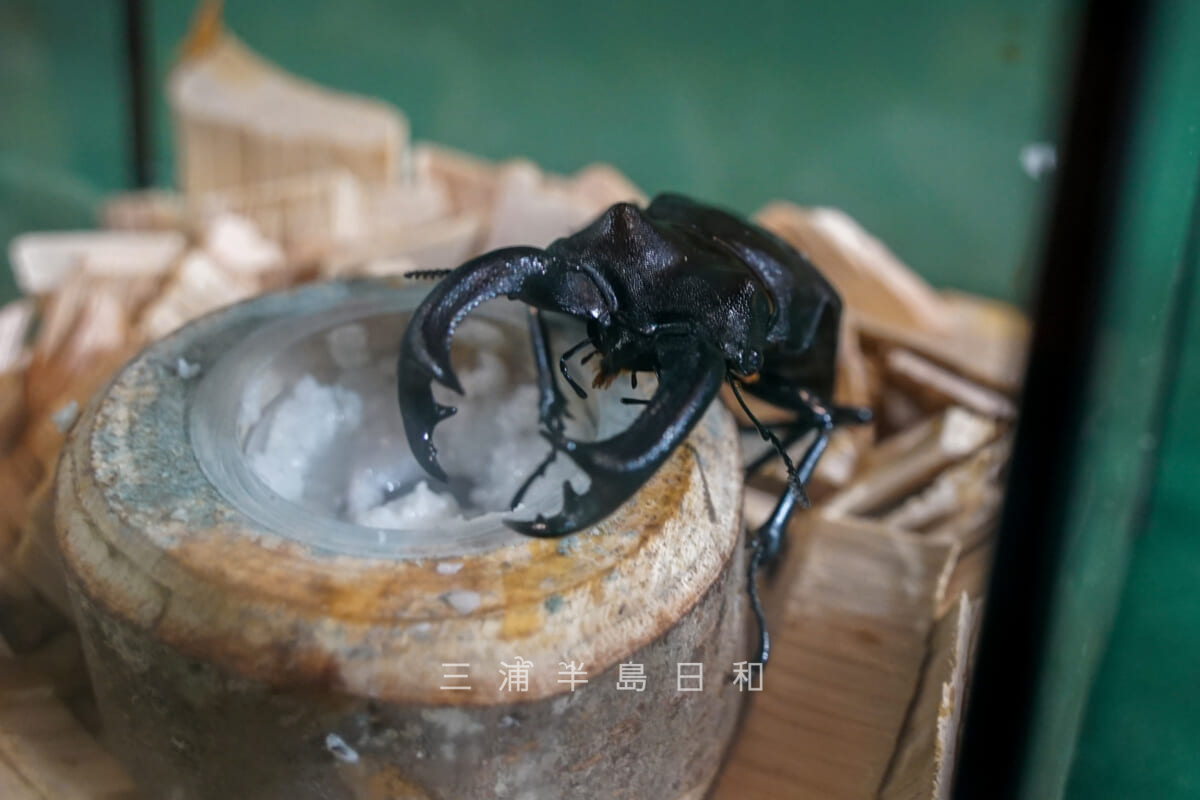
[(227, 654)]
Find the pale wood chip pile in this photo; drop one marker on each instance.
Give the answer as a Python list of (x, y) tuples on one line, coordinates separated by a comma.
[(876, 606)]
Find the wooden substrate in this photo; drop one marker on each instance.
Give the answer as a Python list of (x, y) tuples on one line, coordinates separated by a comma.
[(876, 607)]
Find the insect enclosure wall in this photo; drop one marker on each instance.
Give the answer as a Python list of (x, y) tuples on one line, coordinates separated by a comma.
[(933, 127)]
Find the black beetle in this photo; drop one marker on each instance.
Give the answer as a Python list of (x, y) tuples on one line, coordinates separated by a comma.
[(687, 291)]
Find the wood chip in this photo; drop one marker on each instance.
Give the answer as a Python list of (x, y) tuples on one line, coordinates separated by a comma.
[(444, 244), (84, 335), (20, 473), (873, 283), (834, 471), (146, 210), (13, 786), (532, 208), (15, 321), (848, 657), (898, 411), (418, 200), (970, 574), (956, 492), (55, 667), (53, 755), (242, 120), (308, 216), (938, 387), (986, 341), (973, 524), (951, 437), (37, 556), (12, 408), (923, 766), (43, 261), (601, 185), (27, 620), (236, 245), (470, 182), (198, 286), (853, 385)]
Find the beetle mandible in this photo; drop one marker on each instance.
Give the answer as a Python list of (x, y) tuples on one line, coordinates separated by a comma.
[(687, 291)]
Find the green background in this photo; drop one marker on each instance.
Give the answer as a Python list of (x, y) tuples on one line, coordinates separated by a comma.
[(911, 117)]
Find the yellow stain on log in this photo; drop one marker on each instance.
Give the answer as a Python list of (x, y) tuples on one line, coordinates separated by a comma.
[(379, 781), (524, 606), (587, 560)]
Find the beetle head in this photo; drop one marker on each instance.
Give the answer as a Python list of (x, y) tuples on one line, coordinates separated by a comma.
[(740, 328)]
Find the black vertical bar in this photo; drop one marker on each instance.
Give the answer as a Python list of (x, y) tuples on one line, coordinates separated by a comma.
[(1076, 261), (138, 94)]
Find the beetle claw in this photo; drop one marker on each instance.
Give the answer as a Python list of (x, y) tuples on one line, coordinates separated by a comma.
[(691, 375), (425, 348)]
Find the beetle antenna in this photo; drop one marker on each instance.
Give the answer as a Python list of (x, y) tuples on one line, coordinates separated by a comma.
[(427, 274), (767, 435), (562, 367), (635, 401), (793, 435)]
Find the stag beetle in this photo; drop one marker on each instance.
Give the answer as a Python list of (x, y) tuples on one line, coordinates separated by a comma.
[(687, 291)]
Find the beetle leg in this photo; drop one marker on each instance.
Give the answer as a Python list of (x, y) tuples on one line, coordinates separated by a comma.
[(690, 375), (425, 348), (767, 542), (552, 405), (562, 366)]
